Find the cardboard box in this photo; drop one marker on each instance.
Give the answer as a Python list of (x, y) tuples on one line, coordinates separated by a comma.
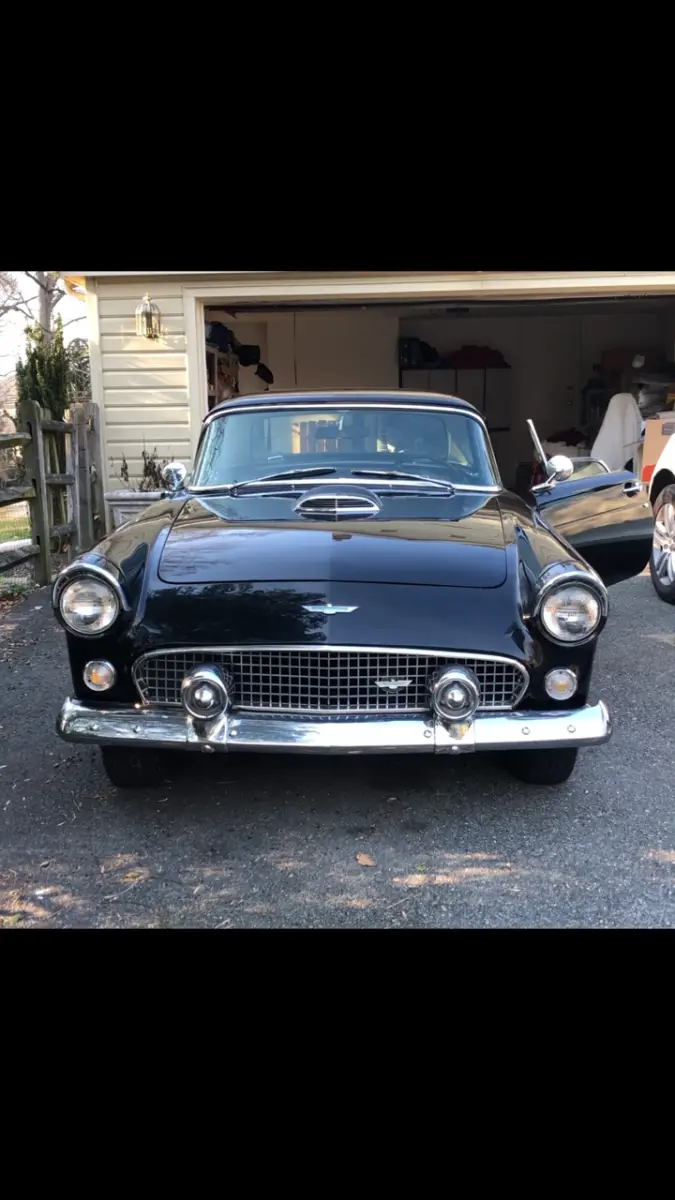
[(657, 432)]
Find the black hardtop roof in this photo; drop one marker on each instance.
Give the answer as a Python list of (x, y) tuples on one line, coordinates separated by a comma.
[(335, 396)]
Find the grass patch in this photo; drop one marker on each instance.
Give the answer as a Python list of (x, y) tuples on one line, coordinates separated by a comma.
[(13, 589), (13, 527)]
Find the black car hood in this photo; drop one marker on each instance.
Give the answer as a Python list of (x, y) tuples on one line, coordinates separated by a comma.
[(449, 541)]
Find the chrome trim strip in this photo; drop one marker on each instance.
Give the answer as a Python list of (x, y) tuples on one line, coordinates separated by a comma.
[(449, 655), (346, 402), (372, 484), (425, 651), (78, 722), (330, 610), (324, 502)]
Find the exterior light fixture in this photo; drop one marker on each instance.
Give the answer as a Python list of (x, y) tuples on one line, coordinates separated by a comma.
[(148, 319)]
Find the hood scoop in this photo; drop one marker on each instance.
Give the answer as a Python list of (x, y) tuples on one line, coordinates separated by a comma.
[(336, 502)]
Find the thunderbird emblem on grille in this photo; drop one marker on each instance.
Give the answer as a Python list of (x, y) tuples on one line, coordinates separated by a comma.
[(329, 609), (393, 685)]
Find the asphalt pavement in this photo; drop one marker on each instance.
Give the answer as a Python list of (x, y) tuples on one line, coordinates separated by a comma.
[(381, 842)]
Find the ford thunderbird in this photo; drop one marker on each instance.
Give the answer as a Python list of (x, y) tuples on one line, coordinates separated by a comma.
[(344, 572)]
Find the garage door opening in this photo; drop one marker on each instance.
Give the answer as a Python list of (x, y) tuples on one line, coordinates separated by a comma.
[(558, 362)]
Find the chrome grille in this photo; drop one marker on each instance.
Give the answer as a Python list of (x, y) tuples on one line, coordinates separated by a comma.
[(328, 680)]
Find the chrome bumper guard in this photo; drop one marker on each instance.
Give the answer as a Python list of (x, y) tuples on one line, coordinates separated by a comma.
[(587, 726)]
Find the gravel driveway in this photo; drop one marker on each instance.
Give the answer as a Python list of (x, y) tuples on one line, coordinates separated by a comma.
[(276, 842)]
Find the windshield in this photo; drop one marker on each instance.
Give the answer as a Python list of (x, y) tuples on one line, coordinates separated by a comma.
[(240, 446)]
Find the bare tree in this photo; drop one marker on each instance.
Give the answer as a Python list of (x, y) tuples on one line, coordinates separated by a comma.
[(49, 291), (11, 299)]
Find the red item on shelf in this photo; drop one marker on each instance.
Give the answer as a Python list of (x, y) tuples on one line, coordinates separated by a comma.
[(476, 358)]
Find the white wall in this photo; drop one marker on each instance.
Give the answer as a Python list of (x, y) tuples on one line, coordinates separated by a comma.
[(551, 359)]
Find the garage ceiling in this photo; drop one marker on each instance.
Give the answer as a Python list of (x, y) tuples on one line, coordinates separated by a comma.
[(604, 306)]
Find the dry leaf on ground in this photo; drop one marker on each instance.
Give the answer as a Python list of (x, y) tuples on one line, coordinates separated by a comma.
[(364, 860)]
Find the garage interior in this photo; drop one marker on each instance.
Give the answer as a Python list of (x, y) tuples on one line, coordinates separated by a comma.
[(556, 361)]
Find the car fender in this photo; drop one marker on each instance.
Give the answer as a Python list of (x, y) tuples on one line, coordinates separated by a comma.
[(664, 471)]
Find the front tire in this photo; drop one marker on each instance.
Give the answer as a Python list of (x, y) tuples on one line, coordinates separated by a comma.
[(543, 767), (131, 768), (662, 560)]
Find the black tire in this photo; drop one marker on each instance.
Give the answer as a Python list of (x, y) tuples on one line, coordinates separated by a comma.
[(664, 504), (130, 768), (545, 767)]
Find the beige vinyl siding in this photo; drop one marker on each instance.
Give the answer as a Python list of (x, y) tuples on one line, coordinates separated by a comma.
[(144, 383)]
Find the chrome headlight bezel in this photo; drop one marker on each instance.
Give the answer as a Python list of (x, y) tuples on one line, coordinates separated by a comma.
[(103, 583), (559, 579)]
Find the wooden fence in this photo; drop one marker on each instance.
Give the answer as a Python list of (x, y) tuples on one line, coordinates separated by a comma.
[(62, 486)]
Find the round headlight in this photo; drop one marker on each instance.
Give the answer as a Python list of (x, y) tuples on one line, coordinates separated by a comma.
[(89, 606), (571, 613)]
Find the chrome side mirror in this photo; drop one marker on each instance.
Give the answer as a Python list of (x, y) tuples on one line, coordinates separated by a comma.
[(559, 468), (174, 475)]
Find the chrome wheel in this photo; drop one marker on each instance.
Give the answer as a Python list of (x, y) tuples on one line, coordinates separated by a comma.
[(663, 550)]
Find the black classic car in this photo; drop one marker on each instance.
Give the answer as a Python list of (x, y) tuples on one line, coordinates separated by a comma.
[(343, 572)]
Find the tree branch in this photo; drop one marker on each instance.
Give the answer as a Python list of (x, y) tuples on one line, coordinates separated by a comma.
[(35, 279), (21, 306), (72, 319)]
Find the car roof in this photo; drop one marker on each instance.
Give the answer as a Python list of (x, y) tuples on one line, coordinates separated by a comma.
[(334, 396)]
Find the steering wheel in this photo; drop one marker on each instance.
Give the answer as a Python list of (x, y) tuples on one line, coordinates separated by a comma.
[(421, 458), (465, 472)]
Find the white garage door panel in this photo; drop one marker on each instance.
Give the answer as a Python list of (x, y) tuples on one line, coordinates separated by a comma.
[(471, 387), (345, 350), (498, 397)]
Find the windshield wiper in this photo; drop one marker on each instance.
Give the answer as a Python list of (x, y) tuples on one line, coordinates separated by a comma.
[(314, 472), (297, 473), (405, 475)]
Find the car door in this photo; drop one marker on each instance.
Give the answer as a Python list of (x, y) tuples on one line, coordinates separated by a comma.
[(606, 517)]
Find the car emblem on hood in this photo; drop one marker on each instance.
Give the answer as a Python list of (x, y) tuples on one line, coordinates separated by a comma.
[(329, 609), (393, 685)]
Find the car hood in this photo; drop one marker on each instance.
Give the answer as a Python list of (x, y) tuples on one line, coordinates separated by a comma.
[(449, 541)]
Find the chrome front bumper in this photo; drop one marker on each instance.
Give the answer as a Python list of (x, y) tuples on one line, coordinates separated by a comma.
[(175, 730)]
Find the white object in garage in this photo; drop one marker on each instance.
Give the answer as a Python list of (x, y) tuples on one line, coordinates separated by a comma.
[(620, 433)]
